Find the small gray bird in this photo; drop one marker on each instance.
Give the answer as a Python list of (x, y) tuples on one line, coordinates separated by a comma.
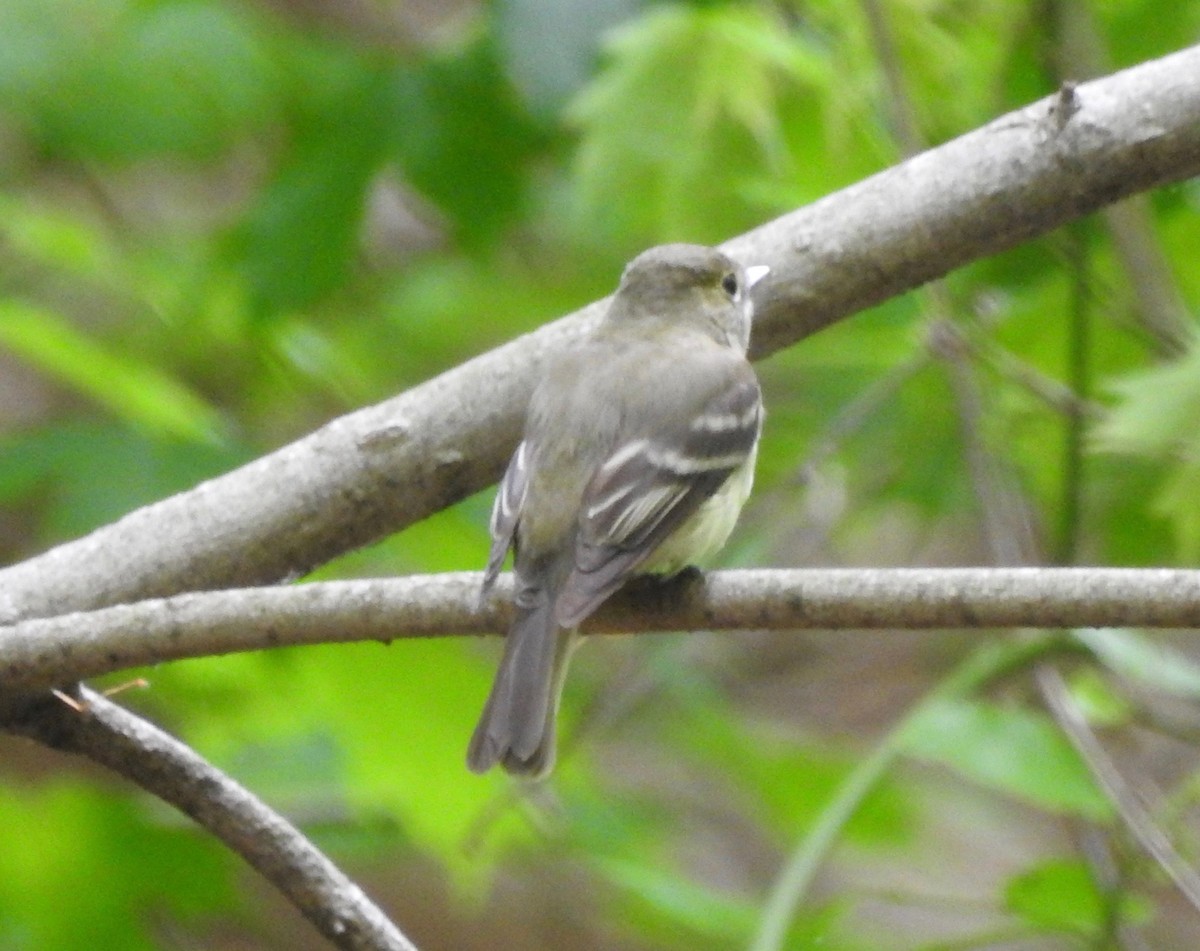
[(637, 457)]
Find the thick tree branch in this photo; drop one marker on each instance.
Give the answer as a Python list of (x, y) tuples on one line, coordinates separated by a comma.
[(169, 769), (382, 468), (43, 652)]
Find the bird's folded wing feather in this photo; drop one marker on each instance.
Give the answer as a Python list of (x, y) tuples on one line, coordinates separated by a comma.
[(652, 483), (506, 510)]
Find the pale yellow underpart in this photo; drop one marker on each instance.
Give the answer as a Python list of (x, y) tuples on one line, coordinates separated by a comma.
[(705, 533)]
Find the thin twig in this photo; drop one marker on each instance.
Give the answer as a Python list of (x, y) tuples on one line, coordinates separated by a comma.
[(1125, 798), (1007, 517), (1079, 368), (856, 413), (1056, 395), (904, 120)]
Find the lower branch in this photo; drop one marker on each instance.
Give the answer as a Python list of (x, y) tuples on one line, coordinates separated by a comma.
[(106, 733), (40, 653)]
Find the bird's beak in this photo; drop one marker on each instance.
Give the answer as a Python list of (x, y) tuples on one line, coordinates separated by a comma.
[(755, 273)]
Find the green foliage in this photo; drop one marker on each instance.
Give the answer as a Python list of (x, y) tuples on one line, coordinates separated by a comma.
[(684, 118), (670, 903), (102, 866), (80, 474), (1062, 896), (1157, 411), (463, 139), (1157, 416), (222, 225), (141, 394), (297, 244), (123, 81), (1011, 749), (1134, 655), (668, 908), (785, 784)]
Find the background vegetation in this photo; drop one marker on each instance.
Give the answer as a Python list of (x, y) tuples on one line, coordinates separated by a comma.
[(223, 223)]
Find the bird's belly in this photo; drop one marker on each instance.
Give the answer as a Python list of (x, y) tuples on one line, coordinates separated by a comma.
[(706, 531)]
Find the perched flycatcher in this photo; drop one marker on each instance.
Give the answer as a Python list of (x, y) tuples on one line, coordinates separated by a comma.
[(637, 456)]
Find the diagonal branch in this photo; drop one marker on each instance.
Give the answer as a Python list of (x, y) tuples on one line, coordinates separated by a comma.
[(162, 765), (382, 468), (42, 652)]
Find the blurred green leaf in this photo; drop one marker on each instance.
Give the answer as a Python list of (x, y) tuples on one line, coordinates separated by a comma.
[(683, 117), (671, 910), (1011, 749), (1124, 516), (121, 81), (1158, 411), (136, 392), (58, 240), (1141, 657), (463, 139), (297, 243), (785, 783), (79, 475), (1061, 895), (1176, 502), (92, 863), (390, 723), (700, 911), (1099, 702)]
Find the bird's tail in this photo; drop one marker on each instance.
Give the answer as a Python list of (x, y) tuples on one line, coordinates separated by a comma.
[(516, 727)]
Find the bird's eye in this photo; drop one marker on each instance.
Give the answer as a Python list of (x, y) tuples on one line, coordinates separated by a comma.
[(729, 283)]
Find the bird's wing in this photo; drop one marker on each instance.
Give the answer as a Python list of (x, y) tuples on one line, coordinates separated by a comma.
[(651, 483), (506, 510)]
